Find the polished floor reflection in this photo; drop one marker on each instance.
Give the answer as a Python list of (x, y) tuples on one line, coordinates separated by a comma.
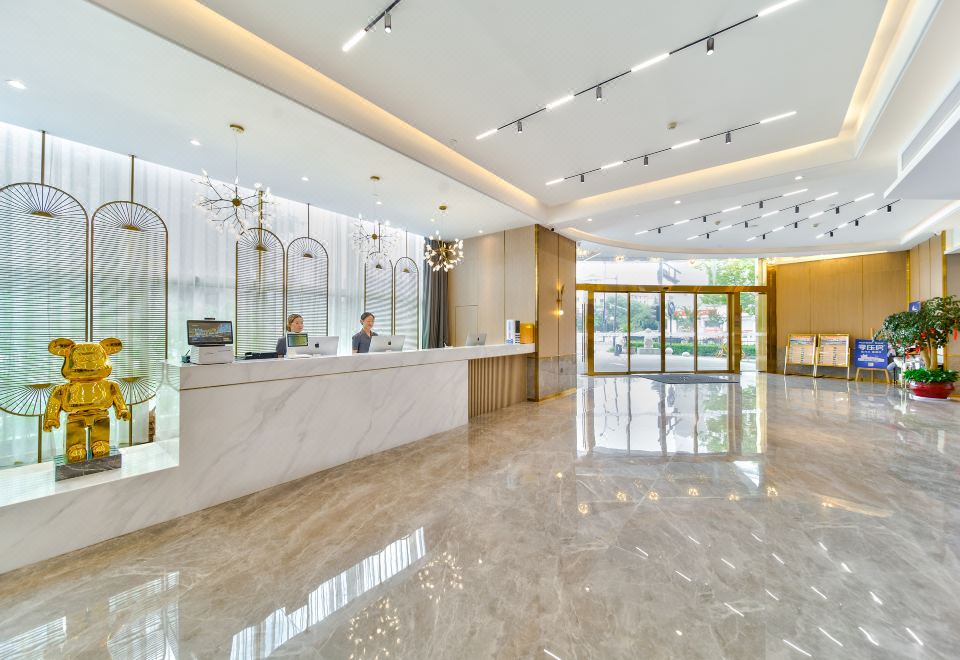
[(777, 518)]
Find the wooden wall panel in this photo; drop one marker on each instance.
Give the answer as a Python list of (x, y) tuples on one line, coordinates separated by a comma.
[(519, 301), (884, 288), (495, 383), (926, 269), (548, 276), (567, 340), (793, 300), (490, 282), (837, 305)]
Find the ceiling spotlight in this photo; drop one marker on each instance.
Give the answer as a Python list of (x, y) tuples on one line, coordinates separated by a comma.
[(582, 179), (763, 236), (799, 177), (796, 209), (836, 210), (519, 126), (303, 178), (16, 84), (796, 225), (704, 218), (727, 139), (599, 93), (195, 142), (646, 161), (761, 204), (856, 223), (831, 234), (676, 201), (487, 133), (889, 208), (659, 229), (710, 46), (589, 219), (708, 236), (387, 23), (353, 41)]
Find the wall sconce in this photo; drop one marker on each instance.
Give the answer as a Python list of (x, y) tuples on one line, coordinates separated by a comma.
[(560, 300)]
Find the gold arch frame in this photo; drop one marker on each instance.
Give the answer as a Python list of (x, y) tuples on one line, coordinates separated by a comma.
[(308, 251), (378, 265), (259, 244), (409, 268)]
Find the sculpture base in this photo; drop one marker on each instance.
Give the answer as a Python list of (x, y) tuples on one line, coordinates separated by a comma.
[(64, 470)]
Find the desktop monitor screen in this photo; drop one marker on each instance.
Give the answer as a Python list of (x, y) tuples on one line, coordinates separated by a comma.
[(209, 333), (297, 340)]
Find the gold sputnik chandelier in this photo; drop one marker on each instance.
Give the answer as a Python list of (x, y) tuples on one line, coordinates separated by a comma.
[(371, 238), (226, 207), (440, 254)]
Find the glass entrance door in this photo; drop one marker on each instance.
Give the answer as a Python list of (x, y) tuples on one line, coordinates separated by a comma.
[(680, 332), (713, 332), (646, 355)]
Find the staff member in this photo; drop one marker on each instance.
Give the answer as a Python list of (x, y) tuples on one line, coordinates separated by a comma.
[(361, 340), (294, 324)]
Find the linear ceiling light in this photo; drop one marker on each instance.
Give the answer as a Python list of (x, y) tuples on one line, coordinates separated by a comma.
[(732, 208), (827, 196), (608, 166), (486, 133), (555, 181), (932, 220), (778, 117), (387, 27), (560, 101), (709, 38), (681, 145), (863, 197)]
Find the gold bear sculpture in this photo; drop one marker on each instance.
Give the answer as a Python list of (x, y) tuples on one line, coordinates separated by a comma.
[(86, 398)]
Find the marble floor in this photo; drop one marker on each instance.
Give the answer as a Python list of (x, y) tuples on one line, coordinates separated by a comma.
[(778, 518)]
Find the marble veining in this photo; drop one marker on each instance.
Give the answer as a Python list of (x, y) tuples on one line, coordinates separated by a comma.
[(777, 518)]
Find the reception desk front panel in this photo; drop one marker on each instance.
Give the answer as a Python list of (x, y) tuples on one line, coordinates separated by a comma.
[(247, 426)]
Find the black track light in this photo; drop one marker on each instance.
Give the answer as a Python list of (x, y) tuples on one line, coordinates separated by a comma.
[(856, 223), (519, 126), (582, 178), (763, 237), (659, 229), (704, 218), (761, 204), (837, 210), (387, 23), (708, 236), (796, 225), (599, 93), (796, 209), (710, 46), (727, 139), (889, 208), (646, 160), (831, 234), (746, 225)]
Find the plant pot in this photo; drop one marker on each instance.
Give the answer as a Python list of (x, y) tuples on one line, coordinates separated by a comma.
[(932, 390)]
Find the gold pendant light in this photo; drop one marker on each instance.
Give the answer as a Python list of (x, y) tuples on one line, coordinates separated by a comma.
[(443, 254)]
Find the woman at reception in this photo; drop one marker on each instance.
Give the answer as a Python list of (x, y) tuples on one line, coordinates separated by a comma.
[(294, 324), (361, 340)]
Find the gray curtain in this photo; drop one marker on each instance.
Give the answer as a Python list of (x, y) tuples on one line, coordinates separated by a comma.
[(436, 330)]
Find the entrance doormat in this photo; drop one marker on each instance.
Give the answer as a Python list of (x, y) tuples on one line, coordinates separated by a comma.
[(691, 379)]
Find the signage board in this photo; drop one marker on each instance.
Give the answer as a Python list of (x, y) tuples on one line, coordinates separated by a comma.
[(870, 354), (801, 349), (915, 306), (834, 351)]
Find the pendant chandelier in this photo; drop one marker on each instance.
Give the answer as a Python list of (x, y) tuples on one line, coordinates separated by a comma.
[(225, 206), (372, 240), (440, 254)]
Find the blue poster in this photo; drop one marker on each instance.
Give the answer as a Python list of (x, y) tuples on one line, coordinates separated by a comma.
[(915, 306), (870, 354)]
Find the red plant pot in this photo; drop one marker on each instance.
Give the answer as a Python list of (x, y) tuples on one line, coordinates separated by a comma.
[(932, 390)]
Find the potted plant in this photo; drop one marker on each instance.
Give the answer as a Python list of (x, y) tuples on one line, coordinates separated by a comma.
[(923, 333)]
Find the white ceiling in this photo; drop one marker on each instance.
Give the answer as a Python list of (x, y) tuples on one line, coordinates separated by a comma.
[(456, 68), (105, 82)]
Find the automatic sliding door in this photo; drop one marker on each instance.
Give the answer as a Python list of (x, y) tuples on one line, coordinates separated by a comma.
[(610, 332), (680, 337), (645, 332), (713, 332)]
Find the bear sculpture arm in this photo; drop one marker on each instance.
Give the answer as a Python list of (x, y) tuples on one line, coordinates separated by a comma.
[(118, 403), (51, 416)]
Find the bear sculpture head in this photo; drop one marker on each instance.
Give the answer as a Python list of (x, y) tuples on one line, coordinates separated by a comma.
[(85, 363)]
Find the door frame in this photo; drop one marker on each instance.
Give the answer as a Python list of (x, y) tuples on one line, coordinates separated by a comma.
[(734, 341)]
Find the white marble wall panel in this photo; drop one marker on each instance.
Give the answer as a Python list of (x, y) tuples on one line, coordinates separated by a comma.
[(239, 439)]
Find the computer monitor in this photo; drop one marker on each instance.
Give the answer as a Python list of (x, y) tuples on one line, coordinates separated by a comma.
[(297, 340), (208, 332), (384, 343), (478, 339)]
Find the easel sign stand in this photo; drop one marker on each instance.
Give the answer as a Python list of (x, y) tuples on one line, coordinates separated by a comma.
[(870, 355), (833, 351), (801, 351)]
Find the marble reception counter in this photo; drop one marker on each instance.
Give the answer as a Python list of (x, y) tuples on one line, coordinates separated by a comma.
[(244, 427)]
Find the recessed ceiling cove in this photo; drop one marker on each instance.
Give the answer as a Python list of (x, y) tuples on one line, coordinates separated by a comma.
[(457, 69)]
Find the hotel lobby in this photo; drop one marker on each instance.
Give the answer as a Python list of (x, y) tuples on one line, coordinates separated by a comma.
[(379, 330)]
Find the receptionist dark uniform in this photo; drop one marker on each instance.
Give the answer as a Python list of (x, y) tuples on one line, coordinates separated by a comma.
[(361, 340), (294, 324)]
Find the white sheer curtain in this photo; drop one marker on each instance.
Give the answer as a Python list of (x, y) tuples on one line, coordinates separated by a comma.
[(201, 260)]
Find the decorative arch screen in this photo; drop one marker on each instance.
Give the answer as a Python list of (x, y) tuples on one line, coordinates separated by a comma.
[(406, 301), (259, 292), (129, 293), (378, 292), (43, 290), (308, 271)]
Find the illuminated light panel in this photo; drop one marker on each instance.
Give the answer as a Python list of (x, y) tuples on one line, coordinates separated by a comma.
[(681, 222), (353, 41), (609, 166), (487, 134), (775, 7), (681, 145), (555, 181), (769, 213), (817, 214), (650, 62), (827, 196), (870, 212), (794, 192), (863, 197), (778, 117), (732, 208)]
